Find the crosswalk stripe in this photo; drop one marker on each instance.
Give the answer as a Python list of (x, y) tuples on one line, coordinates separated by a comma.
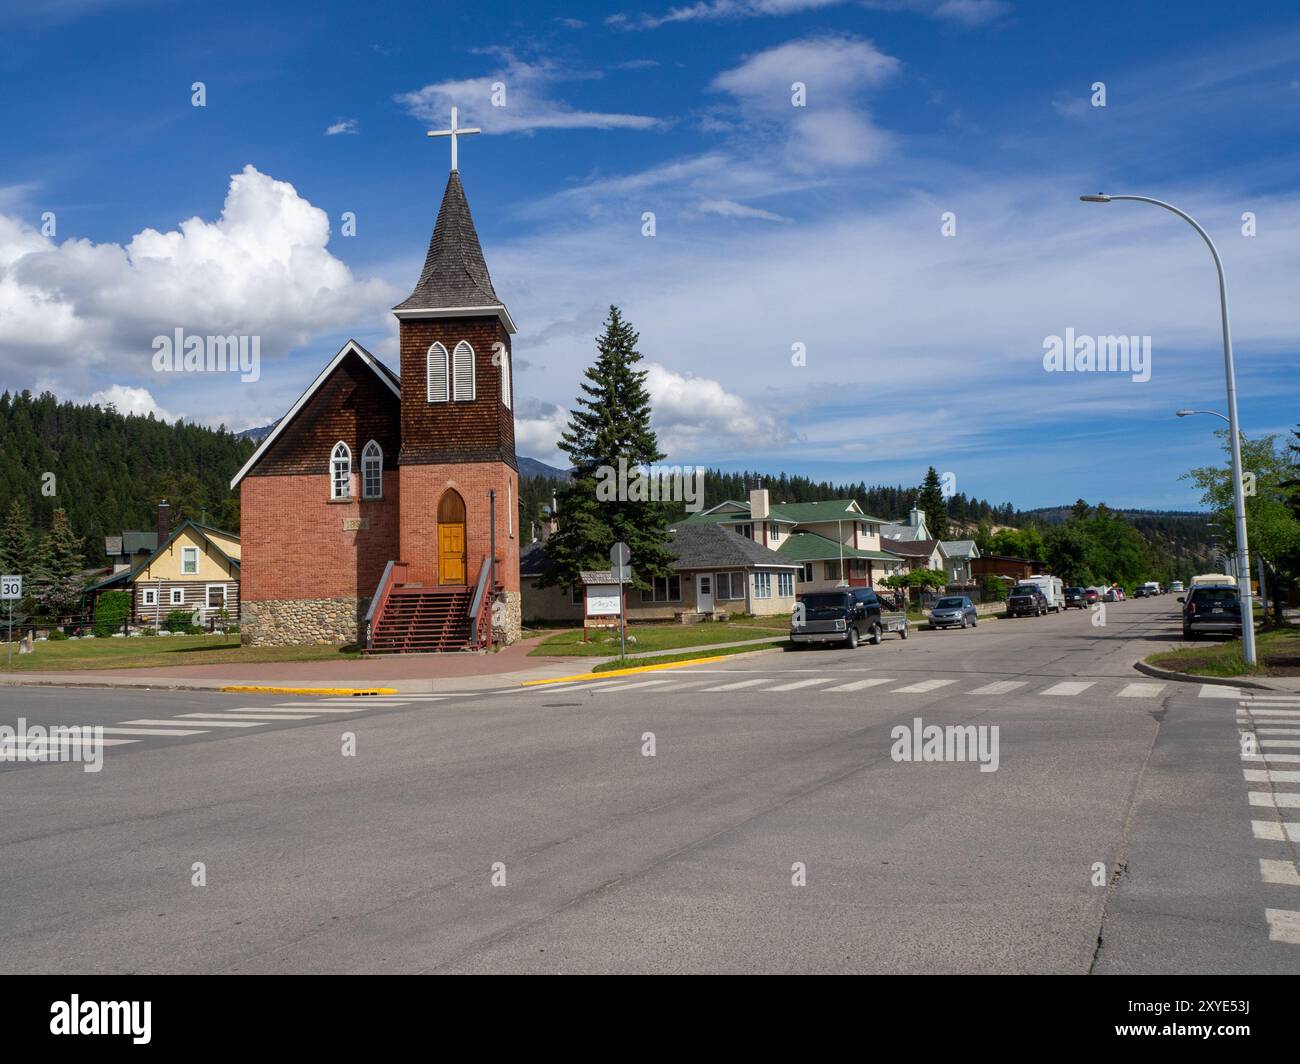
[(1272, 758), (734, 686), (153, 731), (1283, 925), (1276, 830), (1209, 690), (1265, 711), (1276, 698), (1265, 775), (858, 685), (1268, 800), (312, 706), (1292, 743), (922, 687), (355, 704), (1277, 731), (235, 714), (1000, 687), (1067, 688), (1280, 872), (638, 683), (9, 745), (797, 684), (205, 723), (1142, 690)]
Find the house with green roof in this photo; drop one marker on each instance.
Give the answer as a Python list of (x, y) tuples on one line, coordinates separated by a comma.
[(834, 542)]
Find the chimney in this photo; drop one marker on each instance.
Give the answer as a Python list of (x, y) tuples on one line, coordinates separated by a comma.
[(164, 521), (759, 507), (916, 518)]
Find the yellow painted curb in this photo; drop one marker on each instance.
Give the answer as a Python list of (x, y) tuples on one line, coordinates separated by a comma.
[(628, 672), (260, 690)]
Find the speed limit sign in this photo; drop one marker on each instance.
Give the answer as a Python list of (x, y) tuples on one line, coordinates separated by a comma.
[(11, 587)]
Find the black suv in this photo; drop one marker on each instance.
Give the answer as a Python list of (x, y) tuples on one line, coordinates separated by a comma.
[(1026, 600), (1211, 610), (836, 617), (1076, 597)]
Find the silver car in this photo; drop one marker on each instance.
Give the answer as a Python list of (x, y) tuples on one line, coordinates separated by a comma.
[(955, 611)]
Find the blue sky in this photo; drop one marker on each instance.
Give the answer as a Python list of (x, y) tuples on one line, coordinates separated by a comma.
[(775, 225)]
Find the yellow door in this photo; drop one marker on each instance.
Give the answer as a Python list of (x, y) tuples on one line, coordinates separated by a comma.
[(451, 554), (451, 539)]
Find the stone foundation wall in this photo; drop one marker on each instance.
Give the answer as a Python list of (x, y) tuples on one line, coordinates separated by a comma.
[(298, 622), (512, 629)]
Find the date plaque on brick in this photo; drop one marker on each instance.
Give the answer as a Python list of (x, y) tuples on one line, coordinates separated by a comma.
[(356, 524)]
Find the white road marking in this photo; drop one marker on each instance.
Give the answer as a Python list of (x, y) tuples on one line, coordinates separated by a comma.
[(1272, 758), (858, 685), (235, 714), (1276, 830), (313, 706), (1281, 714), (24, 742), (1278, 731), (1142, 690), (1209, 690), (1069, 687), (922, 687), (153, 731), (1001, 687), (639, 683), (205, 723), (1263, 775), (1283, 926), (1279, 742), (1268, 800), (735, 686), (1276, 698), (797, 684), (1280, 872), (355, 704)]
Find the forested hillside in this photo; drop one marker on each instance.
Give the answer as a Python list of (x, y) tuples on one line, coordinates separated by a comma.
[(109, 469)]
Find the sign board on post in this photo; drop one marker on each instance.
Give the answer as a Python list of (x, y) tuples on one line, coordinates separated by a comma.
[(620, 558), (11, 587)]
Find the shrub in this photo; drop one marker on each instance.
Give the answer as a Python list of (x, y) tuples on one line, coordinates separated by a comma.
[(178, 621), (57, 633), (111, 610)]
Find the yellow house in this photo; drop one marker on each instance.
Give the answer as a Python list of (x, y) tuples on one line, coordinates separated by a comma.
[(195, 570)]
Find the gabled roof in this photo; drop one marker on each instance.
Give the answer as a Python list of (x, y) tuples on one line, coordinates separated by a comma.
[(455, 275), (960, 548), (790, 513), (381, 371), (811, 547), (710, 546), (913, 548), (129, 575)]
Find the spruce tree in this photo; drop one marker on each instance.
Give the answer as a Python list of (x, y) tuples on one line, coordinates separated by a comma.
[(16, 555), (610, 422), (56, 582), (931, 500)]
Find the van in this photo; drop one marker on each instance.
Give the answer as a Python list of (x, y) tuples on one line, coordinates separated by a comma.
[(1052, 590), (1213, 580)]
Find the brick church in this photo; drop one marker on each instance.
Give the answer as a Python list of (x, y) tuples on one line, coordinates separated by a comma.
[(370, 513)]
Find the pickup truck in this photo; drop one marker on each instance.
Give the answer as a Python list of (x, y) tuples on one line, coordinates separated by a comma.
[(846, 616)]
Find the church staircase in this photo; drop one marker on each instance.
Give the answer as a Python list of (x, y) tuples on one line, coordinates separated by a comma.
[(414, 619)]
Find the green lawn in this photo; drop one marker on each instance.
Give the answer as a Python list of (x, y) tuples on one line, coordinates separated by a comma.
[(652, 637), (1277, 649), (152, 652)]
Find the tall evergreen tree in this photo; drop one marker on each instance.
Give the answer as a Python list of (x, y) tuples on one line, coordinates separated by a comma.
[(16, 554), (931, 500), (610, 422), (57, 583)]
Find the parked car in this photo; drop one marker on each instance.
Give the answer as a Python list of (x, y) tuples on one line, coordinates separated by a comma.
[(1211, 610), (954, 611), (1051, 589), (1176, 586), (1026, 600), (1076, 598), (848, 617), (1091, 595), (1141, 592)]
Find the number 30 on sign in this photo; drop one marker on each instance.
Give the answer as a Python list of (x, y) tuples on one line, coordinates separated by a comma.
[(11, 587)]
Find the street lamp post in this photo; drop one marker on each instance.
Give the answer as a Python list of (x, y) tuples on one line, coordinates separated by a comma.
[(1230, 375)]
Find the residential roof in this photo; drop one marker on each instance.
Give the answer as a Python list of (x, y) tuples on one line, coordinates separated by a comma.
[(709, 546), (811, 547), (385, 374), (129, 575), (455, 274), (799, 513), (917, 548), (959, 548)]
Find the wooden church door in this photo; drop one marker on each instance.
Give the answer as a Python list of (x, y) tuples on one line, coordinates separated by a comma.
[(451, 539)]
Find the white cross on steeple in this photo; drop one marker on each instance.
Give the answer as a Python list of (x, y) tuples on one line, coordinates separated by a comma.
[(454, 132)]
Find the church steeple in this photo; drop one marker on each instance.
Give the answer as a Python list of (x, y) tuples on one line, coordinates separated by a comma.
[(455, 274)]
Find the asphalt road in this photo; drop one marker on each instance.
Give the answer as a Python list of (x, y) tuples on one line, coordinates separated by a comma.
[(527, 830)]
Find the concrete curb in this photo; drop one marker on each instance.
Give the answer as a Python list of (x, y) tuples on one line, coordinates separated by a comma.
[(269, 689), (1216, 681)]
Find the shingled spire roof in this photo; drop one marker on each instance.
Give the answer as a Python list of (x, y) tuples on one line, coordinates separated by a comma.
[(455, 275)]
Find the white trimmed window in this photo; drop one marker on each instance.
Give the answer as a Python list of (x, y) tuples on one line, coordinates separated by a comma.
[(341, 471), (729, 586), (807, 575), (372, 471), (189, 561), (663, 589), (785, 585), (746, 530), (177, 596), (216, 596), (149, 596), (505, 377), (438, 373), (462, 364), (763, 585)]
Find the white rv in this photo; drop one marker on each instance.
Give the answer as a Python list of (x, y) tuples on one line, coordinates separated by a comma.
[(1052, 590)]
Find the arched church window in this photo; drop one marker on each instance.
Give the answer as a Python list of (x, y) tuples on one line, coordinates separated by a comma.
[(438, 373), (463, 368), (341, 471), (372, 471)]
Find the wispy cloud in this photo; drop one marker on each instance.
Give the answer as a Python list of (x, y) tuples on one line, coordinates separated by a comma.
[(343, 125), (962, 12)]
